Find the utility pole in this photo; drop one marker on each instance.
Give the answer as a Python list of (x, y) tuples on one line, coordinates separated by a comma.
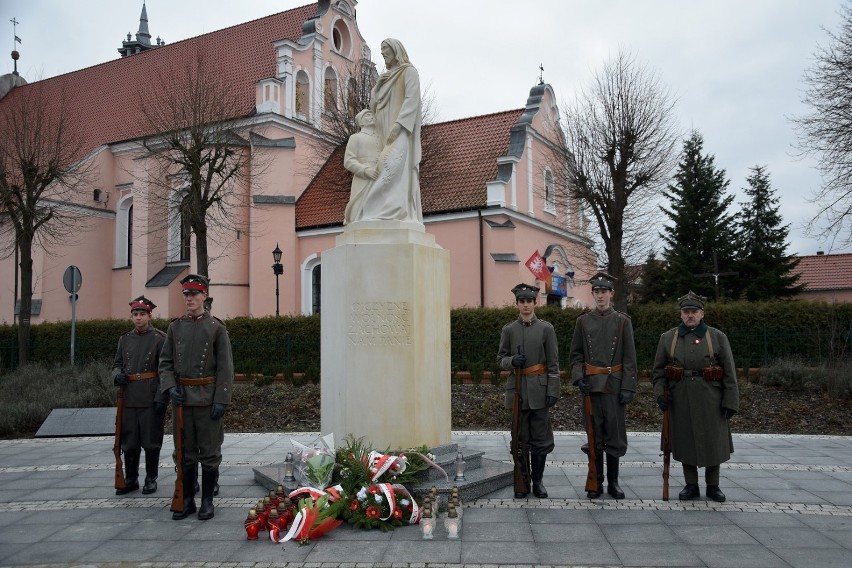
[(716, 274)]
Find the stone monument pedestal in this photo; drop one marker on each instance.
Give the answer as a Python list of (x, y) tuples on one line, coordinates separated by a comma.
[(386, 336)]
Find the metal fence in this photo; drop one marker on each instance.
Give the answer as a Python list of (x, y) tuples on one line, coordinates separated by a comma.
[(289, 353)]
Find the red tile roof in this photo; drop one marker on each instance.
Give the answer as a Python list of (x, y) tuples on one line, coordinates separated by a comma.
[(104, 97), (459, 158), (825, 271)]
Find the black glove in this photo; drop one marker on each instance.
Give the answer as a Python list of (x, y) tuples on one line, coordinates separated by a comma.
[(663, 403), (728, 413), (585, 385), (159, 408), (177, 396), (217, 411), (550, 401), (625, 396), (519, 361), (119, 379)]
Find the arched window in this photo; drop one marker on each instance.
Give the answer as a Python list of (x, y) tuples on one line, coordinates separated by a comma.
[(179, 230), (549, 193), (185, 235), (303, 95), (330, 90), (124, 233), (316, 275), (311, 285)]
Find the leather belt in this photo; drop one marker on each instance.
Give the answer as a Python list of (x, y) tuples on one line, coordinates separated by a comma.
[(689, 374), (592, 370), (534, 370), (143, 376), (198, 381)]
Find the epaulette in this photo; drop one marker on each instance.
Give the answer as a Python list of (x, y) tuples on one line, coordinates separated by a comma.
[(160, 332), (128, 332), (625, 314), (217, 319), (175, 319)]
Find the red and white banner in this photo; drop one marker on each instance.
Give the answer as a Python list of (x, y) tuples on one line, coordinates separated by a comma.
[(537, 266)]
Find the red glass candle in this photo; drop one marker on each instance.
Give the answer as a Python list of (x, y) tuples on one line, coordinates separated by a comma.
[(262, 515), (252, 525), (274, 499)]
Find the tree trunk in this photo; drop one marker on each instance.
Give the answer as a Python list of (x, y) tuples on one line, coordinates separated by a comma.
[(26, 264), (616, 270), (202, 260)]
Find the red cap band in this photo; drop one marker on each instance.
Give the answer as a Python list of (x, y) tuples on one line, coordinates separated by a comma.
[(195, 286), (140, 306)]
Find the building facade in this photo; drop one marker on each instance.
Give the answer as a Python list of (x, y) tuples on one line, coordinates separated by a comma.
[(490, 184)]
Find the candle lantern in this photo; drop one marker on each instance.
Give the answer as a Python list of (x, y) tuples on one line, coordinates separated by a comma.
[(274, 521), (285, 514), (262, 515), (288, 470), (252, 525), (460, 466), (427, 524), (452, 522), (274, 498)]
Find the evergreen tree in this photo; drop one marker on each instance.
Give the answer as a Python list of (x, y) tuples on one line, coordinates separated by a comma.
[(653, 288), (763, 265), (701, 237)]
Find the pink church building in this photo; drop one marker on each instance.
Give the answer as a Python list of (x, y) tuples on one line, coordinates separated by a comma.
[(490, 193)]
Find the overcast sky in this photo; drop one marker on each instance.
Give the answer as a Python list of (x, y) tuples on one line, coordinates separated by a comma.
[(734, 65)]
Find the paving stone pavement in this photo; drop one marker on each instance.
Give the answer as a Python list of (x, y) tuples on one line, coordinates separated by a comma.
[(789, 505)]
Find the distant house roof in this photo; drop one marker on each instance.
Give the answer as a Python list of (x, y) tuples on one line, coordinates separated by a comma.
[(825, 272), (104, 97), (459, 159)]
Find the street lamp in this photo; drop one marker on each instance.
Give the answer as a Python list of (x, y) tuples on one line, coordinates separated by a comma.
[(278, 270)]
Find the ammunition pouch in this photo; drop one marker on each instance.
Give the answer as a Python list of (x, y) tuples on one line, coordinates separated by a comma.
[(674, 372), (712, 373)]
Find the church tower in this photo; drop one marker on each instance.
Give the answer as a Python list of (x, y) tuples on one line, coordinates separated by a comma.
[(143, 38)]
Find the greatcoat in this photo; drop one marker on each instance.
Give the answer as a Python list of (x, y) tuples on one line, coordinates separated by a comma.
[(700, 434)]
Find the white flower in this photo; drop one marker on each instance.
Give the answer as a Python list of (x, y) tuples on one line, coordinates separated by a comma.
[(379, 499), (362, 494), (404, 502)]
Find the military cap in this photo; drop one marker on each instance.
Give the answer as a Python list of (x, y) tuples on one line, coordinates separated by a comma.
[(195, 282), (602, 280), (142, 303), (691, 301), (523, 290)]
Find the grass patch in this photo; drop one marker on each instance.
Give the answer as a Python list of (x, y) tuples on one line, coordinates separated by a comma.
[(28, 394), (832, 377)]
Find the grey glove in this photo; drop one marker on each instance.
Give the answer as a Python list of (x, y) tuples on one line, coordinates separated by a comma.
[(119, 379), (217, 411), (728, 413), (177, 395), (550, 401), (585, 385), (625, 396), (519, 360)]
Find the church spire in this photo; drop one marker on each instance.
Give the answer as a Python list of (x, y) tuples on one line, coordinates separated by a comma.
[(143, 37)]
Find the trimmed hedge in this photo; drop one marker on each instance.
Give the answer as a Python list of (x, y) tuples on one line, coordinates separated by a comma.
[(760, 332)]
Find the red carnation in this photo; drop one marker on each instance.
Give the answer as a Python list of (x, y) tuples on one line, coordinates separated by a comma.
[(374, 490), (373, 512), (353, 505), (397, 514)]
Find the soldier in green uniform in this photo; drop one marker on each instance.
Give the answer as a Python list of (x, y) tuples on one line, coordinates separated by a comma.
[(528, 347), (694, 363), (197, 371), (134, 370), (603, 365)]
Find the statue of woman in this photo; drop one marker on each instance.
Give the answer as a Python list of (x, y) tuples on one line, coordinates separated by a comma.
[(395, 102)]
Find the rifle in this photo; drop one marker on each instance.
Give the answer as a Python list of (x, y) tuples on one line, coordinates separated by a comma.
[(520, 453), (116, 447), (592, 477), (177, 497), (667, 445)]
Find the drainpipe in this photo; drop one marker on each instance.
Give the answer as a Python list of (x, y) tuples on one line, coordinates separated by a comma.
[(481, 262)]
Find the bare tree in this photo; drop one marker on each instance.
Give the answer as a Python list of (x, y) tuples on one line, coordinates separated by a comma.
[(619, 148), (196, 150), (827, 131), (42, 169)]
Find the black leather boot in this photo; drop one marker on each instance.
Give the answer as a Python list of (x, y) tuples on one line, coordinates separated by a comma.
[(189, 475), (714, 493), (599, 464), (612, 478), (538, 487), (208, 481), (689, 492), (215, 487), (131, 472), (152, 462)]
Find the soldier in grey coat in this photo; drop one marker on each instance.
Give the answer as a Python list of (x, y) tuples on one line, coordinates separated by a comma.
[(603, 365), (528, 348), (694, 363), (197, 371), (134, 370)]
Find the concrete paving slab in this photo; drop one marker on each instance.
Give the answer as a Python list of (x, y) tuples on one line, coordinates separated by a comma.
[(500, 552), (713, 535), (641, 533), (738, 556), (52, 553), (808, 557), (644, 554), (776, 538), (577, 554)]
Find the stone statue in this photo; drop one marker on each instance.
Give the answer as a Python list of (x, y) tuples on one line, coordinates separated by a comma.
[(394, 194), (361, 158)]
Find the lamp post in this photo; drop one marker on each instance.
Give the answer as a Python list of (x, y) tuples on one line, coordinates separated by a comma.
[(278, 270)]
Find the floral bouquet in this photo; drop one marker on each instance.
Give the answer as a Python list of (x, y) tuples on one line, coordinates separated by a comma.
[(382, 506), (314, 467), (315, 516)]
